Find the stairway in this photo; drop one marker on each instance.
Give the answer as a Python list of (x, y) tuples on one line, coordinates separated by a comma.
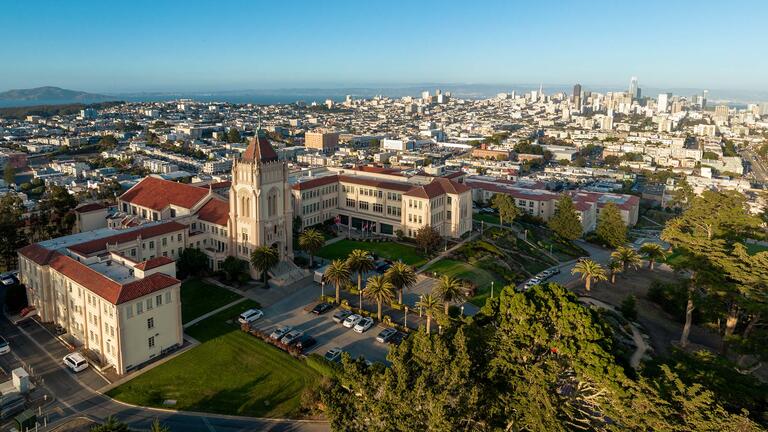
[(286, 273)]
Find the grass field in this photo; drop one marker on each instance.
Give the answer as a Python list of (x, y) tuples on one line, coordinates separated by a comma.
[(481, 277), (487, 218), (390, 250), (199, 297), (230, 372)]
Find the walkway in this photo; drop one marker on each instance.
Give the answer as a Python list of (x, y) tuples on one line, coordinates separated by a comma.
[(214, 312), (443, 254), (637, 336)]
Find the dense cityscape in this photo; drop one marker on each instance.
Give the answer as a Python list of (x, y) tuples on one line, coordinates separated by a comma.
[(534, 260)]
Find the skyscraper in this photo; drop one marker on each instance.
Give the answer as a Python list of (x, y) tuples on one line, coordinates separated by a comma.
[(663, 102), (633, 88), (577, 96)]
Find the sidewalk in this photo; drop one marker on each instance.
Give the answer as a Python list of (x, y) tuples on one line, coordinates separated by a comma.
[(443, 254)]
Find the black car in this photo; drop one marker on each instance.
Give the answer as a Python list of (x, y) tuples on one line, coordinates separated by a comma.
[(397, 338), (322, 308), (306, 342)]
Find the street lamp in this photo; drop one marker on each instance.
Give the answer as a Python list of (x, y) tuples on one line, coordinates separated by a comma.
[(462, 311), (322, 290), (491, 289), (440, 329), (405, 322), (361, 301)]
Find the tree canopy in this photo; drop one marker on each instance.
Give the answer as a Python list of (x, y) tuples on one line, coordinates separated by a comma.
[(533, 361)]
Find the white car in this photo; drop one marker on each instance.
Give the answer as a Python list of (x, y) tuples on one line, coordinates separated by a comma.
[(250, 316), (76, 362), (5, 348), (364, 325), (280, 332), (352, 320)]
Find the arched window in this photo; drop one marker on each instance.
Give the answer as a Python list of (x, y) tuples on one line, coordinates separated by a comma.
[(272, 202)]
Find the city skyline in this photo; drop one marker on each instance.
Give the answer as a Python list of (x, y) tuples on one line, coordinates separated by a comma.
[(119, 48)]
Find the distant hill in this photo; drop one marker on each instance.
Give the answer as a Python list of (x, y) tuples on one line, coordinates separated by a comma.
[(48, 95)]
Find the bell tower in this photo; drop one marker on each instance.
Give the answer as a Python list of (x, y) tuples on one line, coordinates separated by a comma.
[(260, 209)]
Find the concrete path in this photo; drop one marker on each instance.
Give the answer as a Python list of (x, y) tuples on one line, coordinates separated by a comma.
[(637, 336), (445, 253), (214, 312)]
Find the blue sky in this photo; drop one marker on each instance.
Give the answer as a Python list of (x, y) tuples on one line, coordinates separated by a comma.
[(115, 46)]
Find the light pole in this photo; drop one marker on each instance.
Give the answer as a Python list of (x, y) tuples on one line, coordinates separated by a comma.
[(405, 322), (322, 291), (491, 289), (462, 311), (421, 298), (361, 301)]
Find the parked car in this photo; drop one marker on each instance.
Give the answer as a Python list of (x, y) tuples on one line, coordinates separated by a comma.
[(364, 324), (7, 280), (305, 342), (5, 348), (321, 308), (279, 332), (341, 315), (333, 354), (250, 316), (76, 362), (352, 320), (291, 337), (385, 335), (397, 338)]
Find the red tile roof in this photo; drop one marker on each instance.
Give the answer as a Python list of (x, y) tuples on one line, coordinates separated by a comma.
[(377, 169), (158, 194), (218, 185), (317, 182), (215, 211), (153, 263), (85, 208), (437, 187), (99, 245), (37, 253), (106, 288), (259, 149)]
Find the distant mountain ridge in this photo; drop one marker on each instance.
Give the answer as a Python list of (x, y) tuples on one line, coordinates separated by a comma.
[(50, 94)]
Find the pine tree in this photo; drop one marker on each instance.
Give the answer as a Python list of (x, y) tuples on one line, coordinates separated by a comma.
[(610, 227), (565, 222)]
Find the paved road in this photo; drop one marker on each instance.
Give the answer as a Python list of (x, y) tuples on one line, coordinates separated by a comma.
[(34, 346)]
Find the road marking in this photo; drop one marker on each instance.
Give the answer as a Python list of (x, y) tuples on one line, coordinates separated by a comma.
[(208, 424)]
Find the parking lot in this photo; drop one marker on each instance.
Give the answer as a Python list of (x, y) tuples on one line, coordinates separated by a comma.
[(294, 311)]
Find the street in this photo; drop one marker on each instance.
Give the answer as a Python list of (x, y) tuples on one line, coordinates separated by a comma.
[(33, 346)]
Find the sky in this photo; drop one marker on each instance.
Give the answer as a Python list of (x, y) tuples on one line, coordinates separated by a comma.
[(137, 45)]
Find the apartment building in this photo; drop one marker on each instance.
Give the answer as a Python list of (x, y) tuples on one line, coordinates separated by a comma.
[(115, 292), (324, 141)]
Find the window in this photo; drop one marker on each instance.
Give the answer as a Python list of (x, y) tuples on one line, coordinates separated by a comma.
[(363, 205), (151, 342), (168, 297), (173, 213), (159, 300), (139, 308), (152, 244), (149, 304), (150, 323), (378, 208), (165, 241), (351, 203)]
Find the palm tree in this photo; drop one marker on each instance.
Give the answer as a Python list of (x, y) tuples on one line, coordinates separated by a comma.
[(402, 277), (380, 289), (653, 253), (450, 290), (360, 261), (311, 241), (627, 257), (158, 427), (589, 270), (430, 304), (614, 267), (263, 258), (338, 274)]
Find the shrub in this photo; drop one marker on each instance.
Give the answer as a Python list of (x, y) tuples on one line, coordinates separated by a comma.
[(628, 308)]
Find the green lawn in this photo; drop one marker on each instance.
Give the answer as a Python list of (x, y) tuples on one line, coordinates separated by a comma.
[(479, 276), (391, 250), (230, 372), (487, 218), (199, 297)]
